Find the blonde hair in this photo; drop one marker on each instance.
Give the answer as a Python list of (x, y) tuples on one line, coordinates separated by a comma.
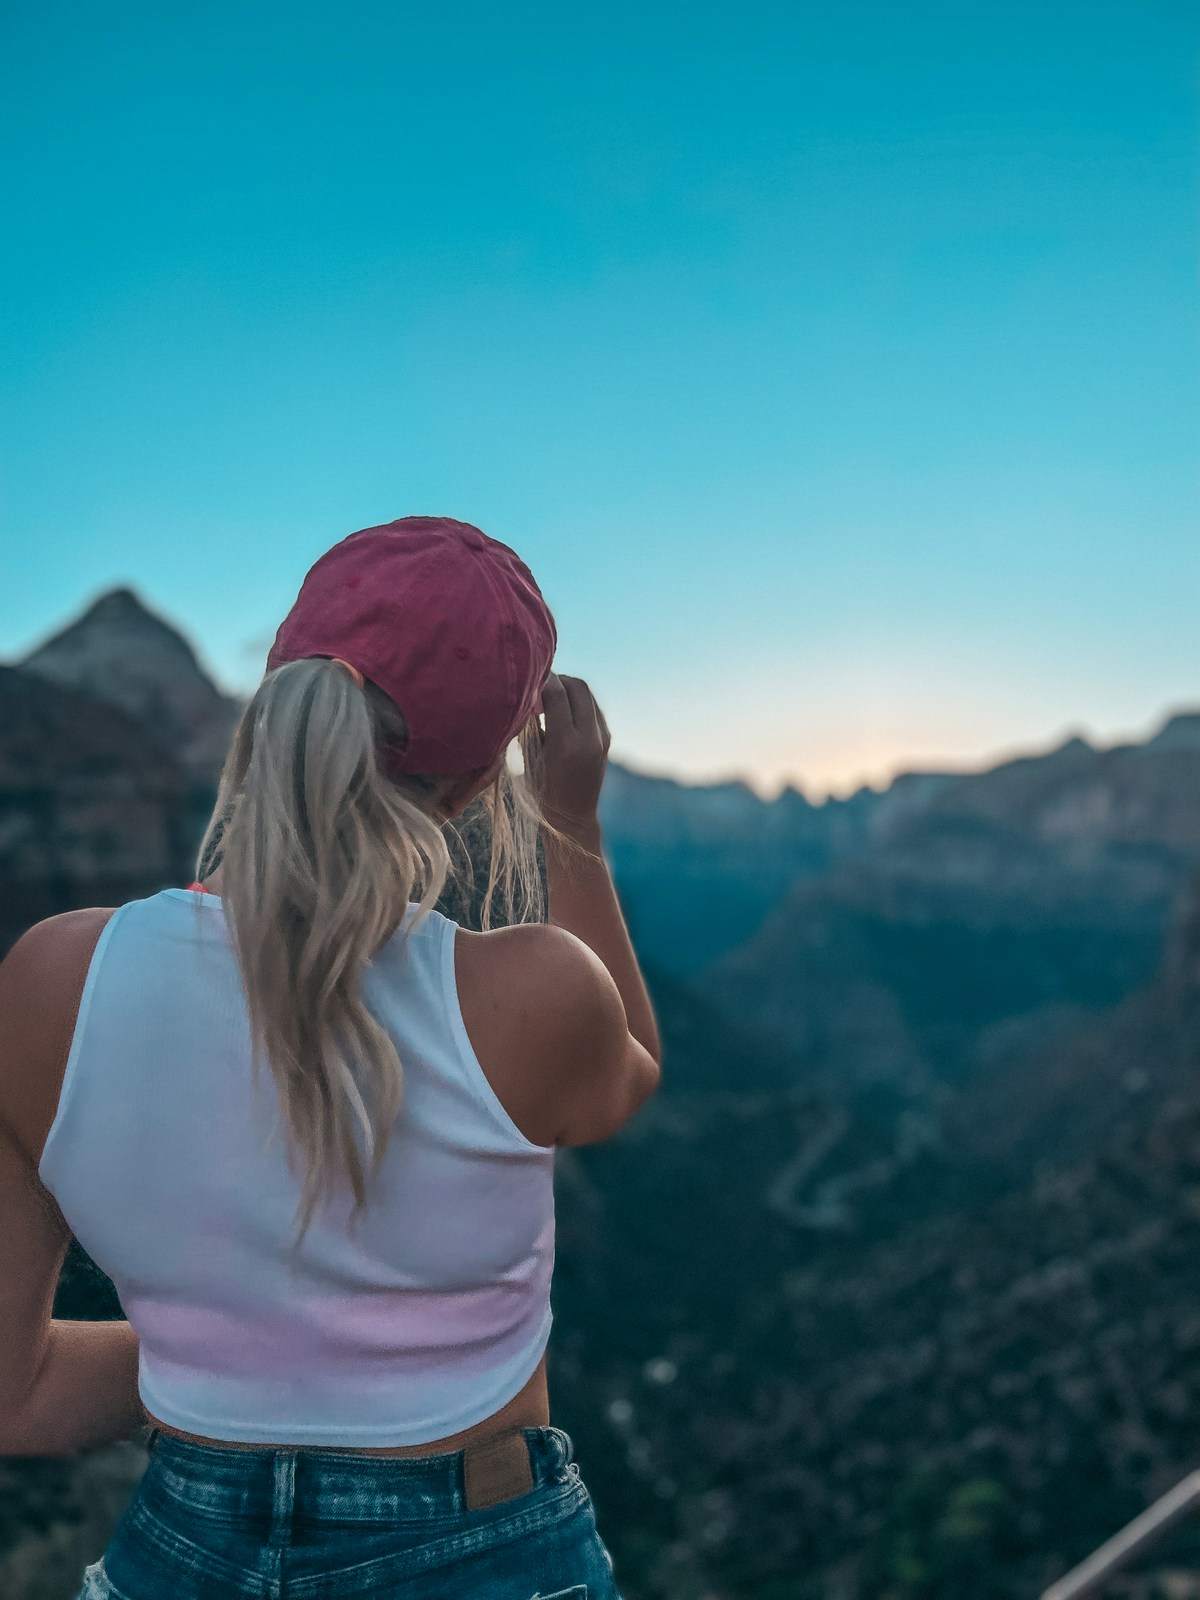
[(321, 852)]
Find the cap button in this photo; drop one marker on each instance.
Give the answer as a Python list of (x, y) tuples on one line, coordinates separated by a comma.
[(473, 539)]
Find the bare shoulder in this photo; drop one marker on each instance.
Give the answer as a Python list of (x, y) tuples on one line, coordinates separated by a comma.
[(548, 976), (48, 953), (565, 1066), (552, 947)]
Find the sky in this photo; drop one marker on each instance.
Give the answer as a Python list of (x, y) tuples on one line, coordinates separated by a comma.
[(835, 370)]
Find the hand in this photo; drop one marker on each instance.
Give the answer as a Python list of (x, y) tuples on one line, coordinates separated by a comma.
[(574, 753)]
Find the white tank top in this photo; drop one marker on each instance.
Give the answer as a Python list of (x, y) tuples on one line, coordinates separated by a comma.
[(171, 1169)]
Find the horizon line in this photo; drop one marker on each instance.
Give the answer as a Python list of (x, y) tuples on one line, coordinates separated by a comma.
[(812, 791)]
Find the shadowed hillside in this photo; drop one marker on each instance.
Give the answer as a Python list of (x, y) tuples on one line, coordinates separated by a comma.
[(94, 809), (959, 1391), (991, 920)]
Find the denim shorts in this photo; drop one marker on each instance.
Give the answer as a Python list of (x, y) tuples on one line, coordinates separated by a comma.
[(309, 1524)]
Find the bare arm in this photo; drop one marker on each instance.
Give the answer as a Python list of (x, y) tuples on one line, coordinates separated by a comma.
[(603, 1048), (65, 1386), (573, 756), (583, 899)]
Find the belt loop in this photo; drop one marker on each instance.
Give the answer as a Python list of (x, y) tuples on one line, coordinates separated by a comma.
[(497, 1469)]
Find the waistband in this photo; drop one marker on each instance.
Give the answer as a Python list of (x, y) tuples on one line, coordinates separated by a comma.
[(325, 1482)]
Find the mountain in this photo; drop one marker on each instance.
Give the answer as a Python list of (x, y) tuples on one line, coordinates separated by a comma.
[(1059, 1100), (954, 1392), (702, 868), (998, 914), (1180, 732), (120, 651), (701, 865), (93, 809), (890, 1292), (112, 739)]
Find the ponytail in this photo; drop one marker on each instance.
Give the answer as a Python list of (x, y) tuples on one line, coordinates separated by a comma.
[(322, 852)]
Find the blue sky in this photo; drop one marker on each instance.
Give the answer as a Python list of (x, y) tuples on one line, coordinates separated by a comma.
[(835, 369)]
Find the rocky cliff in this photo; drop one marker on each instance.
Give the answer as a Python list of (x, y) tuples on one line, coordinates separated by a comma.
[(120, 651)]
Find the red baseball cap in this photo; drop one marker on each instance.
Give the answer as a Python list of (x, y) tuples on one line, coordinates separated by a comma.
[(448, 622)]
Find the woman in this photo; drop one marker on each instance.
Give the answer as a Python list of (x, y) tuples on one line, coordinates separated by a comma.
[(358, 1405)]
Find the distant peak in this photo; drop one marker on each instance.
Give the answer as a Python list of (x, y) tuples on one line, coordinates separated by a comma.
[(121, 595), (118, 648), (793, 795), (1180, 732), (117, 615), (118, 605)]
